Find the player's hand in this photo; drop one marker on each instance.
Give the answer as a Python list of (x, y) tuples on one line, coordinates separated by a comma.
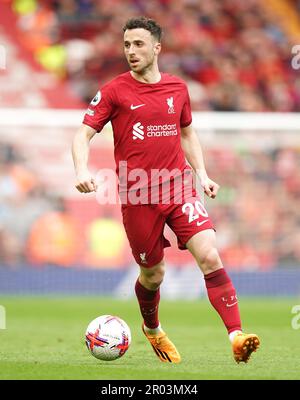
[(210, 187), (85, 182)]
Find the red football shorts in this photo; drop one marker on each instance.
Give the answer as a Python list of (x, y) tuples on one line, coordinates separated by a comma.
[(144, 226)]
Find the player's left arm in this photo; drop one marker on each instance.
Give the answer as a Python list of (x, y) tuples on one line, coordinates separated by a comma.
[(193, 152)]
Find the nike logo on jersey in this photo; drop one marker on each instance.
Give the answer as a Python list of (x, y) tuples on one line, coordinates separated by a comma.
[(132, 107), (201, 223)]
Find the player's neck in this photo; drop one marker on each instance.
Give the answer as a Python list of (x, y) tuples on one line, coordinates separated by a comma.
[(147, 77)]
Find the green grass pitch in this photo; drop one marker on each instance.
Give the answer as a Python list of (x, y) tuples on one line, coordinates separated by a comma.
[(44, 339)]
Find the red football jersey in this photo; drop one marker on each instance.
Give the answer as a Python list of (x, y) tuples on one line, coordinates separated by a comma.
[(146, 121)]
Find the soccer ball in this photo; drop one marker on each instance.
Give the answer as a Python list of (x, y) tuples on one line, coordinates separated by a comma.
[(108, 337)]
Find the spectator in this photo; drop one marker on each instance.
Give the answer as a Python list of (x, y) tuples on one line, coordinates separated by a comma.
[(238, 51), (53, 240)]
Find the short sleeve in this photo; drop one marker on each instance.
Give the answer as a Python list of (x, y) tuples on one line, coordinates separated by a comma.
[(100, 109), (186, 113)]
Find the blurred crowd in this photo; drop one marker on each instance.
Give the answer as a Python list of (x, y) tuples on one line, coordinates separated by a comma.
[(257, 213), (40, 228), (235, 55), (256, 216), (26, 208)]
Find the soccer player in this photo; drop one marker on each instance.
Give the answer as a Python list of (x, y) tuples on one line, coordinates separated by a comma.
[(152, 127)]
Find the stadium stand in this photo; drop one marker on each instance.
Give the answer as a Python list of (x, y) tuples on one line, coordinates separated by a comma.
[(25, 83), (235, 56), (256, 214)]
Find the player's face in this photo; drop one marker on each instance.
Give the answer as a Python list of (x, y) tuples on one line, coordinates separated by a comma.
[(141, 49)]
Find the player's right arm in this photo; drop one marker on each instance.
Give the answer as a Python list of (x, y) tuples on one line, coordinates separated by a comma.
[(80, 152), (101, 110)]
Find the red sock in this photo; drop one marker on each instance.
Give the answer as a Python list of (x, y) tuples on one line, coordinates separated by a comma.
[(222, 296), (148, 301)]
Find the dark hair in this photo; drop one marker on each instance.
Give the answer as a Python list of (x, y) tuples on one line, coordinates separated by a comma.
[(145, 23)]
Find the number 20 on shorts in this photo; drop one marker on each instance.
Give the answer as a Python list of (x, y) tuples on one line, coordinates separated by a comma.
[(195, 211)]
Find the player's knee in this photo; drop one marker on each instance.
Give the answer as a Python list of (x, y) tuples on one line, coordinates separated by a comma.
[(153, 277), (210, 260), (156, 278), (154, 281)]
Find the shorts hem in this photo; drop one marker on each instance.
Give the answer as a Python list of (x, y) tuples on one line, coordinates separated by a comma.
[(151, 264), (183, 246)]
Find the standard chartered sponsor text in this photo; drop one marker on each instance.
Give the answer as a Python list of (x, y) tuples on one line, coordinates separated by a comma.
[(162, 130)]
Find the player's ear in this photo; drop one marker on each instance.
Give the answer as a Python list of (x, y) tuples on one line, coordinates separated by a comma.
[(157, 48)]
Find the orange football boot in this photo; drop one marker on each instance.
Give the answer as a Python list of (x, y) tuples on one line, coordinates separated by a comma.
[(244, 345), (163, 347)]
